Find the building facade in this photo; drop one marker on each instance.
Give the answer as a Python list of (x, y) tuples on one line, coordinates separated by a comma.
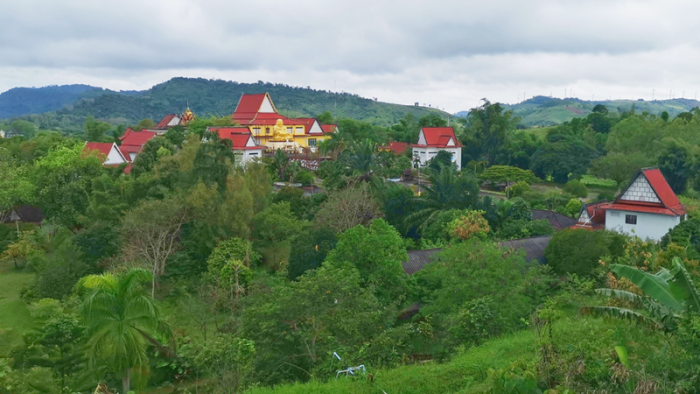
[(647, 208), (432, 140)]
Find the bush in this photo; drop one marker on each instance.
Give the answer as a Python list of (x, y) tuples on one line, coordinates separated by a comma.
[(534, 198), (576, 251), (573, 207), (576, 188), (305, 177), (606, 196), (518, 189)]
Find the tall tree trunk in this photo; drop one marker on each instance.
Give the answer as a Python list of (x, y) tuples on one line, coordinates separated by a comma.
[(126, 381)]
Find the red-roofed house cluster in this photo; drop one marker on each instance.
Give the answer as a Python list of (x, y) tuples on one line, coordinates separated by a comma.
[(173, 120), (647, 208), (432, 140), (243, 145)]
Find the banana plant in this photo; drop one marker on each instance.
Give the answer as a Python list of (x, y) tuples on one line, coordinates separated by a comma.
[(667, 295)]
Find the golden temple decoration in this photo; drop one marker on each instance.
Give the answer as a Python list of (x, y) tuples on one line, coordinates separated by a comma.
[(280, 133), (187, 116)]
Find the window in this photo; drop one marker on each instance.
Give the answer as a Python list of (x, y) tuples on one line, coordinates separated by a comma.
[(290, 130), (615, 214), (631, 219), (312, 141), (267, 130), (299, 130), (256, 130)]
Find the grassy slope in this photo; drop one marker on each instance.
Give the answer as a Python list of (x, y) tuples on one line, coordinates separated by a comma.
[(14, 315), (575, 336)]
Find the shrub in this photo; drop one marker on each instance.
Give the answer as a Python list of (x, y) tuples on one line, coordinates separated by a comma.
[(573, 207), (576, 251), (576, 188), (305, 177), (518, 189), (606, 196)]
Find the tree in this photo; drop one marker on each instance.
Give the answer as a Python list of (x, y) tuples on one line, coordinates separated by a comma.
[(145, 124), (432, 120), (309, 250), (563, 157), (448, 190), (25, 127), (274, 227), (63, 180), (675, 163), (442, 159), (576, 251), (213, 161), (150, 155), (507, 174), (325, 118), (576, 188), (618, 166), (122, 321), (573, 207), (377, 252), (346, 208), (95, 130), (21, 248), (470, 224), (15, 183), (600, 109), (150, 233), (487, 132)]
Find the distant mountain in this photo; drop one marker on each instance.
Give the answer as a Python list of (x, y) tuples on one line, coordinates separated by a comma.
[(21, 101), (208, 97), (549, 111)]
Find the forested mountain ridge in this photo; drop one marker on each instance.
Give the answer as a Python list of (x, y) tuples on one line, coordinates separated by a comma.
[(216, 97), (549, 111), (22, 101)]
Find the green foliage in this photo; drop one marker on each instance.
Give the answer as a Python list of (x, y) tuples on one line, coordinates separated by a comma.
[(518, 189), (576, 251), (562, 158), (618, 166), (227, 360), (500, 173), (441, 160), (149, 155), (274, 227), (465, 273), (347, 208), (487, 132), (309, 250), (573, 207), (232, 249), (95, 131), (121, 322), (63, 180), (576, 188)]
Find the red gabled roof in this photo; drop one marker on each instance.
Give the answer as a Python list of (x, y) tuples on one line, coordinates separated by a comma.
[(103, 147), (133, 141), (438, 137), (164, 122), (668, 205), (238, 137), (250, 103), (596, 215), (329, 128), (397, 147)]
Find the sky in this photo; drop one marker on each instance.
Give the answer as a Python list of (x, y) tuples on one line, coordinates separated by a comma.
[(448, 54)]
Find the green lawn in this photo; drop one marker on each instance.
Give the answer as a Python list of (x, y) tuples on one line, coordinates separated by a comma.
[(14, 314)]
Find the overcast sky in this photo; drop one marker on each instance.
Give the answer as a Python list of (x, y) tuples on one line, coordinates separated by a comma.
[(448, 54)]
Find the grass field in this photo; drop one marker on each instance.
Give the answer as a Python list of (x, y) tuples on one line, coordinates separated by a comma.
[(14, 314)]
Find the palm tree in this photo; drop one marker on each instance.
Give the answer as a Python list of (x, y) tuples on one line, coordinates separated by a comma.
[(667, 295), (448, 189), (361, 157), (122, 321)]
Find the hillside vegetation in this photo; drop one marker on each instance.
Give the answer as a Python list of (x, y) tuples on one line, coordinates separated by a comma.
[(70, 106)]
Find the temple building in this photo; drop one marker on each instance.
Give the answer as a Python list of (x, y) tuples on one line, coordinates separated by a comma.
[(173, 120), (110, 150), (647, 208), (432, 140), (133, 141), (244, 146), (273, 130)]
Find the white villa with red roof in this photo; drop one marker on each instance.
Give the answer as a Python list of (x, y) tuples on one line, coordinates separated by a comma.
[(432, 140), (243, 144), (647, 208)]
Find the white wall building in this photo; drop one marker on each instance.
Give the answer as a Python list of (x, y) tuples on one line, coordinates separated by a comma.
[(113, 156), (647, 208), (243, 144), (432, 140)]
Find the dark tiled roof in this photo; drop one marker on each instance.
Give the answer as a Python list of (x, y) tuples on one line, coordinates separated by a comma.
[(557, 220), (26, 213), (533, 247)]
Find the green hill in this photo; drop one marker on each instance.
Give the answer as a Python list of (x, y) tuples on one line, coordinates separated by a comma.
[(547, 111), (215, 97)]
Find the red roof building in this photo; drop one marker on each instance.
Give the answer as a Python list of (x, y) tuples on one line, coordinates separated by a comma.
[(432, 140), (396, 147), (133, 142), (242, 142), (647, 208), (112, 155), (259, 115)]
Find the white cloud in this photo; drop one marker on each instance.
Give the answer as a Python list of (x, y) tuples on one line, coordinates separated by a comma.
[(448, 54)]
